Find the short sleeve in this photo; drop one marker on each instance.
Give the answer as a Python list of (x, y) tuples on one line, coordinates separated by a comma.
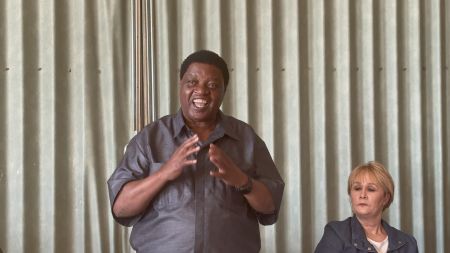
[(133, 166), (267, 173)]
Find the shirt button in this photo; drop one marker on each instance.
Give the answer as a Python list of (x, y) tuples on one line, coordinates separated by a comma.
[(355, 244), (369, 248)]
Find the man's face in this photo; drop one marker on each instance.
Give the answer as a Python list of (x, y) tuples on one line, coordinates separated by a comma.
[(201, 93)]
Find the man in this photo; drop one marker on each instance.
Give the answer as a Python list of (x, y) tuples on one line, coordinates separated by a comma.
[(198, 180)]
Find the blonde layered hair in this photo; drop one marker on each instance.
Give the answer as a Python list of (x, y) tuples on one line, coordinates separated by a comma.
[(381, 175)]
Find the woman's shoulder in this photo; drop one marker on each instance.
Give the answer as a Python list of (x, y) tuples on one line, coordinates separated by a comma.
[(398, 236), (336, 237), (340, 228), (340, 224)]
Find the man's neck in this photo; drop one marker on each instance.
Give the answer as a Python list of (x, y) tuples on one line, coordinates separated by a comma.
[(203, 129)]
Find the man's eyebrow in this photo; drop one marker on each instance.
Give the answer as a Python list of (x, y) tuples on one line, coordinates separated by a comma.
[(190, 74)]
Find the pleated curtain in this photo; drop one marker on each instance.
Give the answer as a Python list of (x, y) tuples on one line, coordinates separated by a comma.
[(327, 84)]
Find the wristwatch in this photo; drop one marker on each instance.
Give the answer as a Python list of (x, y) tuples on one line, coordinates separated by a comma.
[(247, 187)]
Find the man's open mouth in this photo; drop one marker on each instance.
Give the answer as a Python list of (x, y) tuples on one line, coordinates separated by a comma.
[(199, 103)]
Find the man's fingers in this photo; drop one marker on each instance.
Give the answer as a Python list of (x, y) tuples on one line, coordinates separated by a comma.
[(191, 140), (216, 162), (216, 173), (192, 150), (190, 162), (219, 160), (215, 149), (188, 147)]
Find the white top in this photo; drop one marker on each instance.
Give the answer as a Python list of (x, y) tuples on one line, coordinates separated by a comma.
[(380, 247)]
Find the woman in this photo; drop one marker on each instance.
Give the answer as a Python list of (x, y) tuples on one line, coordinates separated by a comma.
[(371, 191)]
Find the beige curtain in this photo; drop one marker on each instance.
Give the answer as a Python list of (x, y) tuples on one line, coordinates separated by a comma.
[(66, 114), (326, 83)]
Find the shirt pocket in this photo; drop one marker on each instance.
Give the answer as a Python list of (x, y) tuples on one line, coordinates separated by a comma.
[(174, 194), (228, 197)]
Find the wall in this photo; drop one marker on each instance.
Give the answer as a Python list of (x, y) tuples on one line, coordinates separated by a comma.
[(328, 85), (65, 118)]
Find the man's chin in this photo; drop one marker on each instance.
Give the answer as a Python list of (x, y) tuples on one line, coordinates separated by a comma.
[(201, 116)]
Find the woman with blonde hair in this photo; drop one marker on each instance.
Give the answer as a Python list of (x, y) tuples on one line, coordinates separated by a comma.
[(371, 191)]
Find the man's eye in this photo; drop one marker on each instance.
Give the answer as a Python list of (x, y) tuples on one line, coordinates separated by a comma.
[(190, 82), (212, 85)]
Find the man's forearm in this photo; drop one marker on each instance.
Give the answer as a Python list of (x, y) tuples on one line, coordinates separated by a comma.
[(260, 198), (135, 196)]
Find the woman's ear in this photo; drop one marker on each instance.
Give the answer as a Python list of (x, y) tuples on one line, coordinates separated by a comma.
[(386, 199)]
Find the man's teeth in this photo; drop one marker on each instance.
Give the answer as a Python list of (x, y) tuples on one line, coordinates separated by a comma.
[(200, 103)]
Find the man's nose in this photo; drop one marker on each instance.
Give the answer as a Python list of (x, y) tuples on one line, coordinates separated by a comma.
[(201, 89)]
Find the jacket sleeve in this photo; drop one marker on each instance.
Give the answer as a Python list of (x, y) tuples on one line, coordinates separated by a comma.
[(414, 247)]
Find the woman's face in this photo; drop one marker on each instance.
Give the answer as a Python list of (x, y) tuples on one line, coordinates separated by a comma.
[(201, 93), (368, 198)]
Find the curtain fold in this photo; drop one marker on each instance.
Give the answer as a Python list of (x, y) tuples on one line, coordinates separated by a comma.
[(66, 112), (327, 84)]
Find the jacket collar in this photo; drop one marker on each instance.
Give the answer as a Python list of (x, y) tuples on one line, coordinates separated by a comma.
[(359, 239)]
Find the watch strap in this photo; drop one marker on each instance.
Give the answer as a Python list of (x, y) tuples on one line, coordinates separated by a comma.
[(247, 187)]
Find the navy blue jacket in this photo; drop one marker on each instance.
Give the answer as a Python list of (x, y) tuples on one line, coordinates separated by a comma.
[(348, 236)]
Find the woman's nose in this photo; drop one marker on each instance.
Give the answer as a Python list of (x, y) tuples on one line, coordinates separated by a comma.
[(363, 194)]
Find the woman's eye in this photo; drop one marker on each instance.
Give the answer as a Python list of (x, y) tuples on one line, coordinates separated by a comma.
[(356, 188)]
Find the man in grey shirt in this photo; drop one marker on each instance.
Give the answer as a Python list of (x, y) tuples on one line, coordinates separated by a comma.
[(198, 180)]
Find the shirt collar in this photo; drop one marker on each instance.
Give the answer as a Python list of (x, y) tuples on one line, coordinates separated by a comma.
[(223, 122), (226, 123), (178, 123)]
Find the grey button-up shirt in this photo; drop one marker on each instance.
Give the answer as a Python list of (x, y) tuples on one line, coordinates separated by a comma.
[(197, 212)]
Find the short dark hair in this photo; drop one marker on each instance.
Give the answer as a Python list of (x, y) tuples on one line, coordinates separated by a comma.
[(208, 57)]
